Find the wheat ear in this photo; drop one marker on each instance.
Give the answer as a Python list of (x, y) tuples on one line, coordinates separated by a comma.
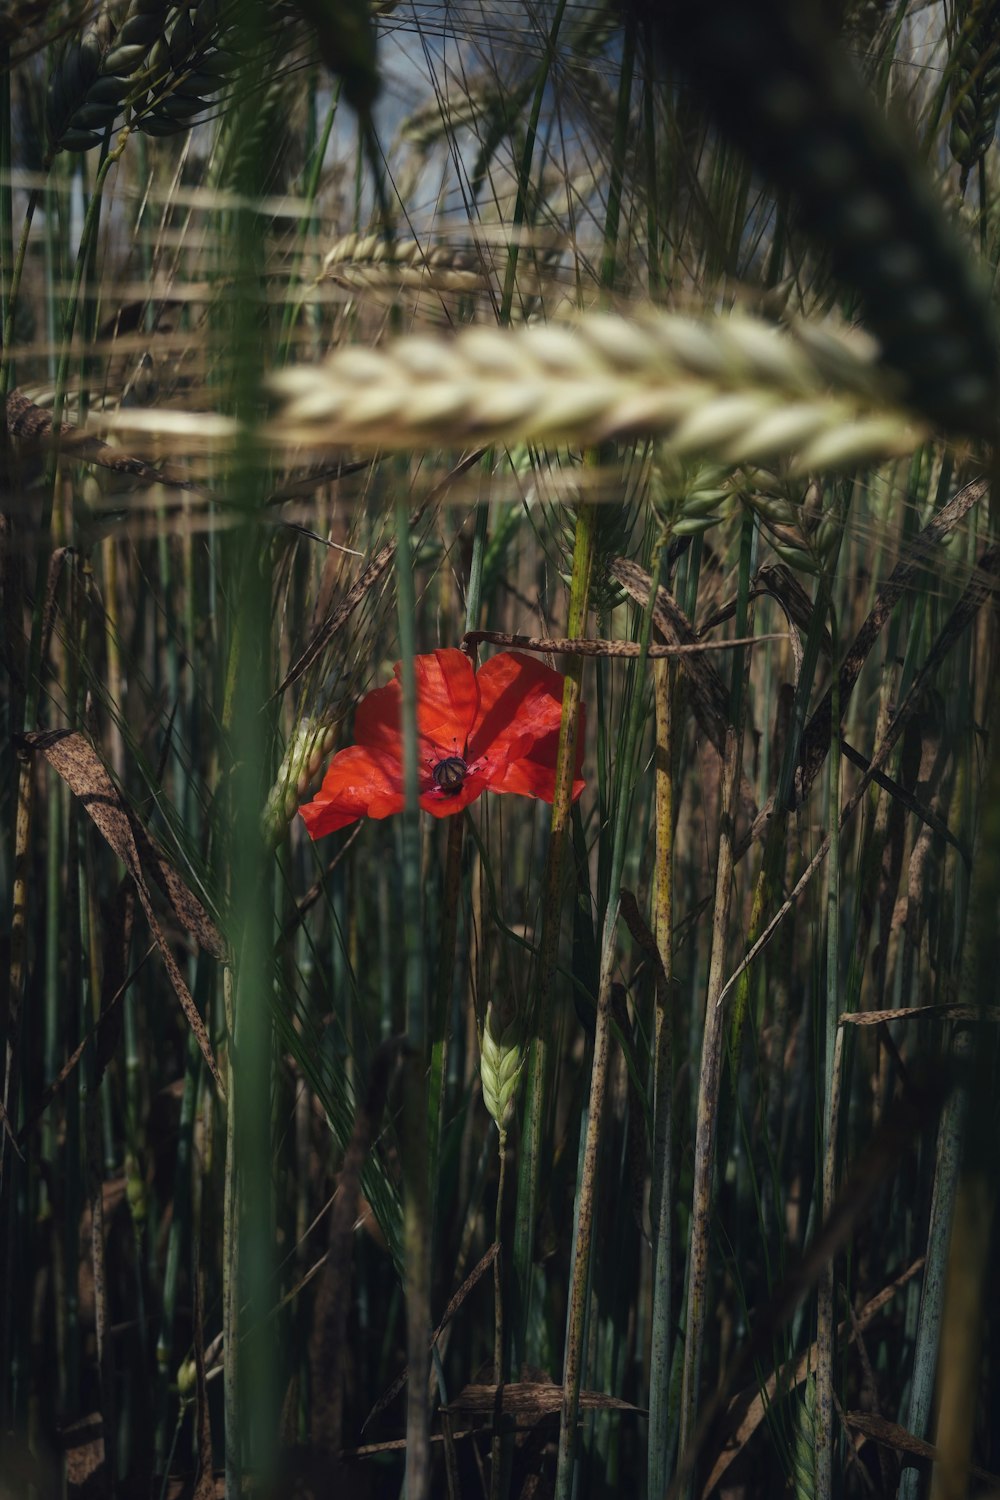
[(502, 1055), (731, 388)]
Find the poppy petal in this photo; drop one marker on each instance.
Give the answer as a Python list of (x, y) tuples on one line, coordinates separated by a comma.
[(377, 720), (503, 722), (533, 774), (359, 783), (440, 806), (447, 698), (520, 700)]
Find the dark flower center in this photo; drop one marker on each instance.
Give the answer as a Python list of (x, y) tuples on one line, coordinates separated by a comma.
[(449, 774)]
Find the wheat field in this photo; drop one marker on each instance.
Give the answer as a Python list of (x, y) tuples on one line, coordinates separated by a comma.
[(500, 785)]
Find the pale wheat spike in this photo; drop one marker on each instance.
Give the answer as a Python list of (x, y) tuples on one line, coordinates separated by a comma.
[(728, 388), (361, 261)]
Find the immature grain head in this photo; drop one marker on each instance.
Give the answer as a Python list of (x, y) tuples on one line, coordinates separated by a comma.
[(975, 81), (502, 1055)]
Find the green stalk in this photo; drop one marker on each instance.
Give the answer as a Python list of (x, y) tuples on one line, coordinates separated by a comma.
[(529, 1166), (73, 1195), (440, 1040), (252, 1366), (452, 883), (231, 1267), (497, 1461), (583, 561), (587, 1192), (615, 184), (539, 1050), (252, 1039)]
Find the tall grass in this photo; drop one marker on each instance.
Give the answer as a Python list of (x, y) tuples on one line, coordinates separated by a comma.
[(641, 1144)]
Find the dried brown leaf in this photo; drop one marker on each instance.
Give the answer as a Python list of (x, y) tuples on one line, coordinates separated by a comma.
[(587, 646), (922, 1013), (185, 904), (83, 1441), (32, 427), (528, 1401), (76, 761), (891, 1435)]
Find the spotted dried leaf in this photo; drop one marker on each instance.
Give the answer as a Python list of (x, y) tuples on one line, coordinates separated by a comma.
[(76, 761)]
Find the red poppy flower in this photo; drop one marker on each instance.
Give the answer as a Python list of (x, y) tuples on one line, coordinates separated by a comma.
[(495, 729)]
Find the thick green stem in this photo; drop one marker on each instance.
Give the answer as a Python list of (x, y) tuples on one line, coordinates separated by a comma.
[(247, 331)]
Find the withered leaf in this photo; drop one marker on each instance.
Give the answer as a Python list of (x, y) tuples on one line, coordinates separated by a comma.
[(83, 1442), (529, 1401), (185, 904), (891, 1435), (32, 427), (76, 761)]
